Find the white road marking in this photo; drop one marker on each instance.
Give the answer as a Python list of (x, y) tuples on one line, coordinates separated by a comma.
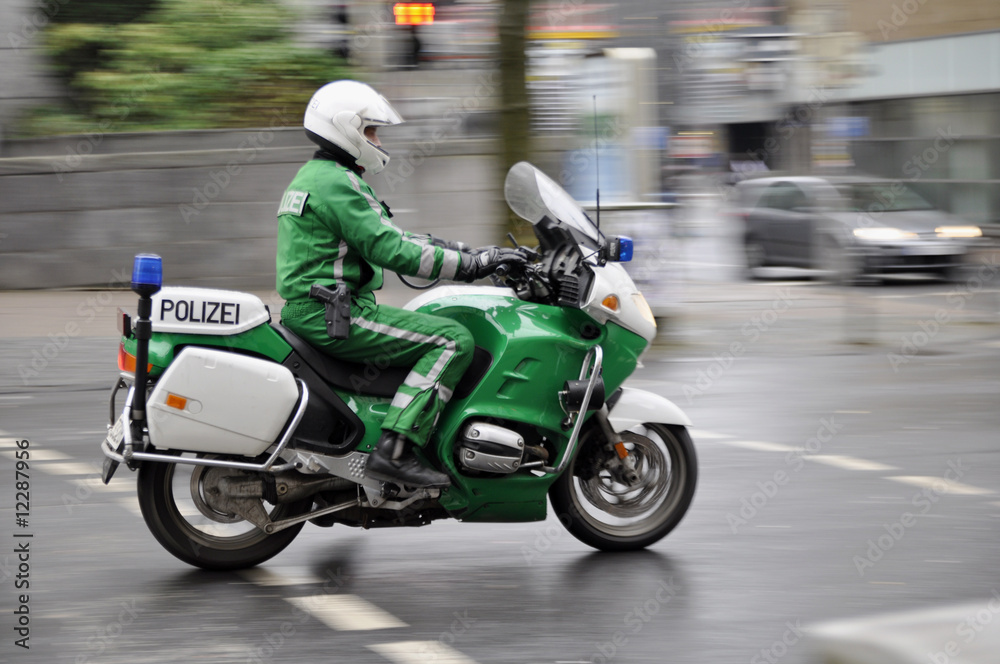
[(131, 504), (96, 484), (279, 576), (346, 612), (420, 652), (72, 468), (848, 463), (44, 455), (941, 485), (760, 445), (708, 435)]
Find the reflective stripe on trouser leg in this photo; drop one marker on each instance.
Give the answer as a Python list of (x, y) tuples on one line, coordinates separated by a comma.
[(438, 349)]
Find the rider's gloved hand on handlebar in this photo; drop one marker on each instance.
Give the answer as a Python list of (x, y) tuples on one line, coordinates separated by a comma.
[(484, 262)]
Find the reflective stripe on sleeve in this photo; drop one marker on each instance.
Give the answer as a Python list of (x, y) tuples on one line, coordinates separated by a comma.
[(372, 203), (426, 269), (449, 268)]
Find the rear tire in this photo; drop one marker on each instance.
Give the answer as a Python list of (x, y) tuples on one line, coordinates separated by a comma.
[(195, 538), (610, 516)]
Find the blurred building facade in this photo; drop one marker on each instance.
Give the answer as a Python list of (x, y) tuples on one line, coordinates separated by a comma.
[(749, 79), (928, 111), (905, 89)]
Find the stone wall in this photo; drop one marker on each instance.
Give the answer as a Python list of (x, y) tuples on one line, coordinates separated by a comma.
[(75, 210)]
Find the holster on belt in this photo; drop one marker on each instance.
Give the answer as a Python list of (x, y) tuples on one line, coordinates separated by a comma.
[(338, 308)]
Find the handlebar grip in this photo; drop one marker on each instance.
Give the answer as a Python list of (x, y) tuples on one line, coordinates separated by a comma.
[(502, 270)]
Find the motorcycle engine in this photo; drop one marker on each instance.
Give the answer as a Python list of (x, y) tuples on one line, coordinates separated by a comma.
[(490, 448)]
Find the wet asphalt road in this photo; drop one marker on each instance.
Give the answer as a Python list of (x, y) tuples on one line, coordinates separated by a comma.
[(836, 481)]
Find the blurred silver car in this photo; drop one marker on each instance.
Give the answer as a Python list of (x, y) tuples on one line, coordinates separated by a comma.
[(849, 227)]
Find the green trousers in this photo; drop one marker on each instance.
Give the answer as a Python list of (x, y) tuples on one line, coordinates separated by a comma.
[(439, 350)]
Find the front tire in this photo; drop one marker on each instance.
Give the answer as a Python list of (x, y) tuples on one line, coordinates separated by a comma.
[(183, 524), (606, 514)]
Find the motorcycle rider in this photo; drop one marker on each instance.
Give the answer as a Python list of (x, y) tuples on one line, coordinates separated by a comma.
[(332, 230)]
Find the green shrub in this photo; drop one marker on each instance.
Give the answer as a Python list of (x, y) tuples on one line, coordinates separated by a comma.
[(184, 64)]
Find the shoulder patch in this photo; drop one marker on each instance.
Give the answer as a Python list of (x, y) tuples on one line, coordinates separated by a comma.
[(293, 202)]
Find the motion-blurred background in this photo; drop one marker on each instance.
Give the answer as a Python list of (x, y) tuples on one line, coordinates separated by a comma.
[(174, 125), (812, 186)]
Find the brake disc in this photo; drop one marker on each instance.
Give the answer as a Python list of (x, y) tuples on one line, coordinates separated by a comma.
[(607, 492)]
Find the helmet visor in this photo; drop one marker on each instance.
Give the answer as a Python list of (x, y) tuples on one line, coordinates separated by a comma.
[(380, 113)]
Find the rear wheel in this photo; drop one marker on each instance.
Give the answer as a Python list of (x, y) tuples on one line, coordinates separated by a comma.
[(603, 509), (175, 508)]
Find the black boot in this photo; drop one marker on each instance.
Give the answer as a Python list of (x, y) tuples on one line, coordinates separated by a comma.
[(391, 461)]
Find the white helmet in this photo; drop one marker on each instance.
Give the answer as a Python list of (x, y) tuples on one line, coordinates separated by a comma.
[(339, 113)]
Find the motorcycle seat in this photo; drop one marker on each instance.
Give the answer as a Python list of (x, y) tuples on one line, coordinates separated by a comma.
[(345, 375)]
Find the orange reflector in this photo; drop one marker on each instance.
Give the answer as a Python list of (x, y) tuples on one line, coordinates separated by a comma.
[(411, 13), (610, 302), (175, 401), (126, 361), (620, 448)]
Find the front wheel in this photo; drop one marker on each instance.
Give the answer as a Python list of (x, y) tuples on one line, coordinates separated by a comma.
[(603, 508), (174, 505)]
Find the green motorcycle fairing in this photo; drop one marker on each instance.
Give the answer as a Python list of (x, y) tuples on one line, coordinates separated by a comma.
[(261, 341), (534, 348)]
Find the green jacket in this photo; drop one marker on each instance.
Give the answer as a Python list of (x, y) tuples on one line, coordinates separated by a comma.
[(332, 230)]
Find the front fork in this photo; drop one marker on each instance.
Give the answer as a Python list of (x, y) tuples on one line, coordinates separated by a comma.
[(618, 461)]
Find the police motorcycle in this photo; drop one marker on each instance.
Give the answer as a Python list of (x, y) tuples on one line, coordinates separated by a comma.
[(241, 432)]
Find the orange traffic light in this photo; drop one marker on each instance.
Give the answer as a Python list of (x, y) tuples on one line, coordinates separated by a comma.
[(410, 13)]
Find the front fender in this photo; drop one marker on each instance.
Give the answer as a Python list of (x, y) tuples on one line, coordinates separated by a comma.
[(639, 406)]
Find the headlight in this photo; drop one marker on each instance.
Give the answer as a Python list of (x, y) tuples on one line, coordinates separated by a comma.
[(883, 234), (643, 307), (958, 231)]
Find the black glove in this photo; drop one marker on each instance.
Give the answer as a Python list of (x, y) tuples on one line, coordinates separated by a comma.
[(484, 262)]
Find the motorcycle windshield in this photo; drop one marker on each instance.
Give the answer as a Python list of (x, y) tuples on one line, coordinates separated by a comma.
[(532, 195)]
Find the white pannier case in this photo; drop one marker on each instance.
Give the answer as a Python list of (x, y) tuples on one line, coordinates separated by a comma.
[(214, 401)]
